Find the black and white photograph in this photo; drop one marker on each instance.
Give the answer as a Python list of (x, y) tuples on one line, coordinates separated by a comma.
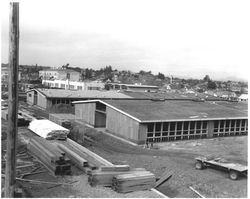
[(124, 98)]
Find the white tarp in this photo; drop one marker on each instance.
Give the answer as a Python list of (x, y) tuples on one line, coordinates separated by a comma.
[(48, 130)]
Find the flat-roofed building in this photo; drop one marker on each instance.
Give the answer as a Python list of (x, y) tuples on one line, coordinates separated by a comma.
[(59, 100), (74, 85), (133, 87), (49, 74), (165, 120)]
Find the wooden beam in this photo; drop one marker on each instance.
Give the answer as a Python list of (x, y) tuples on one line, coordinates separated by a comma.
[(196, 192), (10, 170)]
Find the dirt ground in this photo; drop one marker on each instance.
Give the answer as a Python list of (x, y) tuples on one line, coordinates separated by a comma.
[(178, 158)]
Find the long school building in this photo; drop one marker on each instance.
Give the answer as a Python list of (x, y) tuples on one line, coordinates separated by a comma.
[(161, 121)]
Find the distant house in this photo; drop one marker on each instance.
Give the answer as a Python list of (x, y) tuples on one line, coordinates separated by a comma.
[(5, 77), (133, 87), (60, 74), (243, 97), (59, 100), (226, 94)]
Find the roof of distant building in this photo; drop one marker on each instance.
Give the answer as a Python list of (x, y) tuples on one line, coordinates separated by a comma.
[(60, 70), (88, 94), (135, 85), (176, 110)]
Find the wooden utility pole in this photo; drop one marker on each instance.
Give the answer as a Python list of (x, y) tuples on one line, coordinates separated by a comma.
[(10, 170)]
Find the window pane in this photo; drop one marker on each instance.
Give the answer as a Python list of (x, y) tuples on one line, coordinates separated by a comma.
[(179, 126), (192, 125), (165, 126), (198, 124), (158, 126), (186, 125), (204, 126), (172, 126), (150, 127)]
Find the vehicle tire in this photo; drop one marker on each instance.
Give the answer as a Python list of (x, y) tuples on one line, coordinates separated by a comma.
[(233, 175), (199, 165)]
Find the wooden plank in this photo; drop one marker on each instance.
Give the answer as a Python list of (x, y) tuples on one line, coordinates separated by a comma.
[(90, 153), (78, 160), (115, 168), (165, 177), (98, 177), (124, 183), (196, 192)]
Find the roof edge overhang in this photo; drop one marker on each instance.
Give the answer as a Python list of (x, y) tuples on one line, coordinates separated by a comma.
[(107, 104), (194, 119), (37, 91)]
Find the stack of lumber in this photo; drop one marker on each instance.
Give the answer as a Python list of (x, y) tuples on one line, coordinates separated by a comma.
[(104, 178), (48, 130), (83, 158), (124, 183), (51, 157)]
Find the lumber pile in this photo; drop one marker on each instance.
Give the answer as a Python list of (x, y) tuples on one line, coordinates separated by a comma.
[(48, 130), (124, 183), (50, 156), (90, 156)]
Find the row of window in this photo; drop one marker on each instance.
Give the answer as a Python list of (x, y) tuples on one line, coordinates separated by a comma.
[(62, 101), (170, 131), (230, 125), (72, 87), (192, 126)]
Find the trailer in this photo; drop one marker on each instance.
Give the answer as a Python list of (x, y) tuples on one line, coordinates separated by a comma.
[(234, 169)]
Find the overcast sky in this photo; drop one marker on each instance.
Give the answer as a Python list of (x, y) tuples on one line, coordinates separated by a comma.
[(182, 38)]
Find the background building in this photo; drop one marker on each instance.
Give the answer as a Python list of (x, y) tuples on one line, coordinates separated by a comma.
[(133, 87), (74, 85), (60, 101), (50, 74)]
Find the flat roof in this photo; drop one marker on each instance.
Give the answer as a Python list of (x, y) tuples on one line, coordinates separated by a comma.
[(170, 95), (177, 110), (135, 85), (88, 94)]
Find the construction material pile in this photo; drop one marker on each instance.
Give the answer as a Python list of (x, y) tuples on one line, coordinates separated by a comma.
[(50, 156), (81, 156), (48, 130), (135, 181), (122, 178)]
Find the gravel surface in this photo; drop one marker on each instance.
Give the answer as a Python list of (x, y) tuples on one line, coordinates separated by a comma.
[(178, 157)]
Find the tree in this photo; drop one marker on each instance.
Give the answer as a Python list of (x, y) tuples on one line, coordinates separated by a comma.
[(207, 78), (161, 76), (211, 85)]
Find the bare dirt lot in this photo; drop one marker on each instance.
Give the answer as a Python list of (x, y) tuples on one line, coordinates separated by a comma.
[(178, 157)]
